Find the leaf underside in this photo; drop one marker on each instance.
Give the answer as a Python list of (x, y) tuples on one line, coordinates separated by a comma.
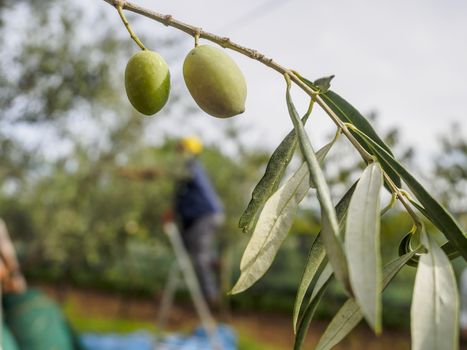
[(329, 222), (362, 244), (435, 303)]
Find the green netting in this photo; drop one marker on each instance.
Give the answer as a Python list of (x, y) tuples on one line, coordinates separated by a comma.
[(36, 322), (8, 342)]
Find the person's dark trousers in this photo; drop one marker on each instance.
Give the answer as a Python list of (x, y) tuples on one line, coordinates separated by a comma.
[(199, 240)]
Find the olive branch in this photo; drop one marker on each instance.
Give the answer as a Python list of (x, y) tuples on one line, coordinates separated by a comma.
[(225, 42), (355, 262)]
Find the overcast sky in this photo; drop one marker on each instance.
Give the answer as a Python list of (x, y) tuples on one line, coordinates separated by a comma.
[(404, 59)]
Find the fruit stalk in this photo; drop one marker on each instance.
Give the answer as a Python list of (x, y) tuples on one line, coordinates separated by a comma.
[(128, 27)]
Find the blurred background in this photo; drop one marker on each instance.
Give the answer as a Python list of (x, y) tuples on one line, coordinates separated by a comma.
[(93, 240)]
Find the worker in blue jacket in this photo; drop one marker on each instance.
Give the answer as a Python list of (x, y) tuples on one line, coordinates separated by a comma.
[(197, 208), (200, 214)]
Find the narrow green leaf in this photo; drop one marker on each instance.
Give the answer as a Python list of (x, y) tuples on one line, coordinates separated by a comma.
[(323, 84), (274, 222), (316, 259), (435, 302), (349, 315), (272, 227), (329, 224), (349, 114), (271, 179), (433, 210), (311, 307), (321, 282), (317, 256), (362, 244)]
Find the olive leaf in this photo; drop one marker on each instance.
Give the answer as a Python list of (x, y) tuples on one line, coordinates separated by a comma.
[(323, 84), (362, 244), (274, 223), (435, 302), (431, 208), (349, 114), (316, 296), (273, 174), (329, 224), (317, 256), (349, 315), (272, 227)]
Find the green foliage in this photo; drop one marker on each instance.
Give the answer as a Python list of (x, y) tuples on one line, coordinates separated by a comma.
[(431, 208), (362, 245), (273, 224), (56, 75), (451, 169), (350, 314)]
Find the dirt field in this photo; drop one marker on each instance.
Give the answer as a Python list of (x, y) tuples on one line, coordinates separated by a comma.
[(272, 331)]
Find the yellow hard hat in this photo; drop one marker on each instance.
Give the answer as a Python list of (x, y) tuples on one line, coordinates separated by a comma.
[(192, 145)]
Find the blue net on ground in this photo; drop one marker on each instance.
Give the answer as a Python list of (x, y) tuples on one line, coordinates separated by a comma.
[(224, 338)]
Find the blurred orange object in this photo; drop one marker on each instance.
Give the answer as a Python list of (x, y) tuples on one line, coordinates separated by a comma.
[(11, 278), (168, 216)]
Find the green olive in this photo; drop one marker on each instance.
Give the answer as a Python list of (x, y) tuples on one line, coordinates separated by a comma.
[(147, 82), (215, 82)]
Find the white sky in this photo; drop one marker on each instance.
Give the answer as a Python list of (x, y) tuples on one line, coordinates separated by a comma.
[(404, 59)]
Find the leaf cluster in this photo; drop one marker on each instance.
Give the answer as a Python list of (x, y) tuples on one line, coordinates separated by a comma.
[(348, 246)]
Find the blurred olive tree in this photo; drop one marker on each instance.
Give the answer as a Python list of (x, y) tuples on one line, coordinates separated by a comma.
[(65, 129)]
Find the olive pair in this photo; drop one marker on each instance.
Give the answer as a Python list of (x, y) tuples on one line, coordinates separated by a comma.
[(214, 80)]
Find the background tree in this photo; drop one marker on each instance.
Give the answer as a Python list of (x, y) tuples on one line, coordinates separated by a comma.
[(451, 170)]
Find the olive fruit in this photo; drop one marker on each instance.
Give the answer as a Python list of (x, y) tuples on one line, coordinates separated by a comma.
[(147, 82), (215, 82)]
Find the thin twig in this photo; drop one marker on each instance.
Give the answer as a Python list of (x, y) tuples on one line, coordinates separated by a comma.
[(400, 195)]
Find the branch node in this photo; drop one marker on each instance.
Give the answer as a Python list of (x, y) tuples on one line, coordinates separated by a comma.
[(119, 3), (225, 42), (254, 54), (168, 19)]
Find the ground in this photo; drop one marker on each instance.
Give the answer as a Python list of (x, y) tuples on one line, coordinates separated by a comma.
[(103, 312)]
